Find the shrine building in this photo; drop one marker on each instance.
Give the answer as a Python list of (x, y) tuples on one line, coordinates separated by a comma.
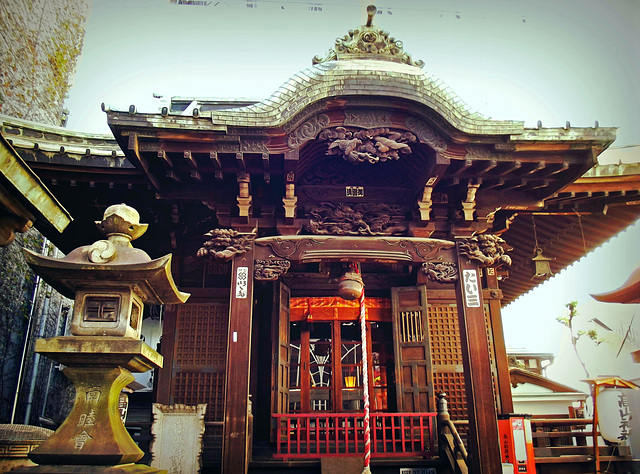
[(360, 173)]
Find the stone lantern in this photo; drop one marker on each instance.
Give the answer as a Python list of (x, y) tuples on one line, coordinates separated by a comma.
[(110, 281)]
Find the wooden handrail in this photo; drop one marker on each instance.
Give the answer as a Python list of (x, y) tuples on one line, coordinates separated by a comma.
[(451, 444), (561, 421)]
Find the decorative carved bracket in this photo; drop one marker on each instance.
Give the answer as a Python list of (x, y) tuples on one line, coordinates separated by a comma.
[(270, 269), (469, 204), (424, 204), (487, 249), (244, 195), (307, 130), (442, 272), (225, 244), (425, 134), (289, 201)]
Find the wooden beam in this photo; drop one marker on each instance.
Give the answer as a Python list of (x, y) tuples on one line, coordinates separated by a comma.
[(492, 164), (165, 393), (499, 182), (133, 146), (510, 169), (499, 344), (173, 176), (234, 441), (515, 184), (195, 175), (191, 161), (266, 167), (163, 156), (563, 167), (240, 160), (467, 164), (543, 184), (540, 166), (484, 442), (217, 166)]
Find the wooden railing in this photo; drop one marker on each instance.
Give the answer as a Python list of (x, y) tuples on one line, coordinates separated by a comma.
[(554, 437), (452, 447), (309, 436)]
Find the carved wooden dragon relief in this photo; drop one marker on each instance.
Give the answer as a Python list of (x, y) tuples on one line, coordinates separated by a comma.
[(487, 249), (356, 219), (225, 244)]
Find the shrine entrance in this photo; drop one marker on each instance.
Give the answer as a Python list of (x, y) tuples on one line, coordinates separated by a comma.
[(326, 356)]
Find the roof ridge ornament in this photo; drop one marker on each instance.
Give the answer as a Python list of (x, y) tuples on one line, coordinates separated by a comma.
[(368, 42)]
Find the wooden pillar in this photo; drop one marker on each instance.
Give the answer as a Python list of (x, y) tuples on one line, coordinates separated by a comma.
[(499, 345), (484, 444), (234, 443), (164, 392)]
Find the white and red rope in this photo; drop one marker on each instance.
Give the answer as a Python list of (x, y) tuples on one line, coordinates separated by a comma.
[(365, 385)]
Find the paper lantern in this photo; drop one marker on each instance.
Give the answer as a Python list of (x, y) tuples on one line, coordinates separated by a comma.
[(614, 414)]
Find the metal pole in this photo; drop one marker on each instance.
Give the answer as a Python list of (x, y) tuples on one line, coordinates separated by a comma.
[(365, 383), (27, 338)]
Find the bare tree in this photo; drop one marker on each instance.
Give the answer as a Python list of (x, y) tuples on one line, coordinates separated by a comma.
[(576, 334)]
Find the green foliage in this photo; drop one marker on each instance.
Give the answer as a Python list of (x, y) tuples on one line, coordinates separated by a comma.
[(568, 321)]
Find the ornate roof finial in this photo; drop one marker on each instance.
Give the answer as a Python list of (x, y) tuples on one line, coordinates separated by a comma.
[(368, 42), (371, 11)]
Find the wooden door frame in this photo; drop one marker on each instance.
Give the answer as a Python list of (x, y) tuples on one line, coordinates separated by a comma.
[(272, 257)]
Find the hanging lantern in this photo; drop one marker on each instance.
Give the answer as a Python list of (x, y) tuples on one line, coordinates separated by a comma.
[(614, 414), (541, 264), (350, 284)]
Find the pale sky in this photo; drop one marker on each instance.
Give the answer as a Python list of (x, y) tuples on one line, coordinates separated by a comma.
[(549, 60)]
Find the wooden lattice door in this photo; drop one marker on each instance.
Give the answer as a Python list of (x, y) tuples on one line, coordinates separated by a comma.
[(414, 385), (446, 353), (281, 351), (200, 357)]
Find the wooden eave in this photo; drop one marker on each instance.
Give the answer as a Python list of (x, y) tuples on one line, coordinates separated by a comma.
[(519, 376), (24, 195), (158, 146)]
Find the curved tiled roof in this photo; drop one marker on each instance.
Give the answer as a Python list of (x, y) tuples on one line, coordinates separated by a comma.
[(363, 77)]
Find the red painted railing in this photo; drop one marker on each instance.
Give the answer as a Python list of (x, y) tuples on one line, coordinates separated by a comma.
[(309, 436)]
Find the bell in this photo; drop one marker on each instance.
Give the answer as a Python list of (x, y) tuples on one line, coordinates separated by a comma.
[(542, 265), (350, 286)]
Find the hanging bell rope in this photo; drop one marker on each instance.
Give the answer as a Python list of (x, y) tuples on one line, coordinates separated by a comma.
[(365, 382)]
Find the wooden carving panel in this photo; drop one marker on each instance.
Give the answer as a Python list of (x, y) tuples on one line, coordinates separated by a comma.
[(200, 357)]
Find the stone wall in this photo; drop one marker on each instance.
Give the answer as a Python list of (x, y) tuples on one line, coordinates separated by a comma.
[(40, 42)]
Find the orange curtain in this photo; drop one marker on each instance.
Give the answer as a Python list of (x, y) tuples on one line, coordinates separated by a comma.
[(328, 308)]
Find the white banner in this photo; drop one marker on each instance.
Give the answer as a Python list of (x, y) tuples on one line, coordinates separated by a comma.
[(242, 282), (470, 288)]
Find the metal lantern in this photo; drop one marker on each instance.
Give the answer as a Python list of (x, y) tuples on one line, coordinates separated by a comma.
[(541, 264)]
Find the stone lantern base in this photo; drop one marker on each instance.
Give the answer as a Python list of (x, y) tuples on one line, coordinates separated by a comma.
[(84, 469), (93, 438)]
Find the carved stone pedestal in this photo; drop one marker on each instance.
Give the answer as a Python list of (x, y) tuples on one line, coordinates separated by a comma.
[(93, 437)]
